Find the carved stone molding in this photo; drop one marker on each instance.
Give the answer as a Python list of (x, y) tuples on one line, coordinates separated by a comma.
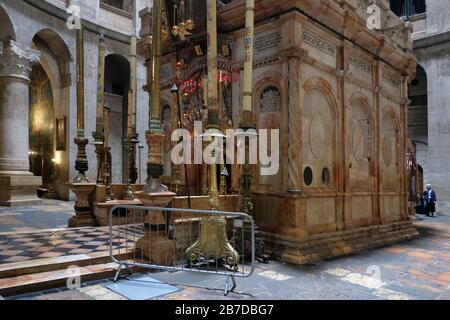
[(16, 60)]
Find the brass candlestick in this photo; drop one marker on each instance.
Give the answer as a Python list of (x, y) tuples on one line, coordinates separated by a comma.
[(155, 136), (247, 123), (132, 136), (213, 242), (81, 163), (132, 170), (98, 134)]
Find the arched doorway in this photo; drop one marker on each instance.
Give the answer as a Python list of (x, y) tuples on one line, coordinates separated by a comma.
[(50, 104), (117, 84), (41, 128), (6, 27), (418, 116)]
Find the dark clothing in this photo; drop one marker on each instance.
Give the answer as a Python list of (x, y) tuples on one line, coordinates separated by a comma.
[(429, 202)]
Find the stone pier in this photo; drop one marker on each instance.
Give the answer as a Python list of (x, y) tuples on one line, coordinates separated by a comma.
[(18, 186)]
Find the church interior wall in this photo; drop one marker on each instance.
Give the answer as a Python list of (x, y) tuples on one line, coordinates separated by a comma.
[(29, 20)]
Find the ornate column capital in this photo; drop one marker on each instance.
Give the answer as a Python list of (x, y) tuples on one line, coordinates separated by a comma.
[(16, 60)]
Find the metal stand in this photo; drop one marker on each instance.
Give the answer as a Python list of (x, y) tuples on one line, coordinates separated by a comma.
[(227, 285)]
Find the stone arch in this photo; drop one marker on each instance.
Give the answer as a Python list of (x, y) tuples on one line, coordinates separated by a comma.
[(7, 31), (361, 143), (418, 115), (49, 41), (319, 134), (55, 64), (265, 80), (270, 119), (41, 126), (117, 85)]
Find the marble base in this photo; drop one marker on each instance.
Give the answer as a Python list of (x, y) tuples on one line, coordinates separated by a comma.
[(332, 245), (19, 190), (160, 200), (155, 246), (83, 212), (156, 249)]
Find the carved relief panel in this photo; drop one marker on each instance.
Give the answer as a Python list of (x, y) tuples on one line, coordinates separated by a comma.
[(390, 152), (269, 107), (318, 139), (360, 142)]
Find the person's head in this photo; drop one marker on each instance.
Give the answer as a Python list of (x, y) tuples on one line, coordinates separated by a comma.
[(428, 186)]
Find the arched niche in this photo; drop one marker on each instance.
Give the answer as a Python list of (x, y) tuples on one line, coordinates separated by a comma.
[(269, 103), (319, 128), (269, 95), (41, 128), (117, 85), (361, 133), (7, 31), (269, 121), (418, 115), (51, 77), (390, 150)]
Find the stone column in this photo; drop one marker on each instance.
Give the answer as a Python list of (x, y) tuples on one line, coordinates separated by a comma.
[(18, 186)]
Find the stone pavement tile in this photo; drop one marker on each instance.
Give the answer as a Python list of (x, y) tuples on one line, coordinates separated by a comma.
[(80, 251), (26, 296), (66, 295), (14, 259), (25, 239), (444, 278), (42, 249), (34, 244), (416, 285), (421, 254), (110, 297), (4, 220), (98, 292), (11, 252), (94, 291), (51, 255), (70, 246), (26, 229)]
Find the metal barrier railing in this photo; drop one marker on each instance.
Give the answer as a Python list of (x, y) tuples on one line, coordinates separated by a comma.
[(168, 239)]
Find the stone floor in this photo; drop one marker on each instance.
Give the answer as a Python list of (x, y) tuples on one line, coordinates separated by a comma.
[(51, 214), (418, 269), (16, 247)]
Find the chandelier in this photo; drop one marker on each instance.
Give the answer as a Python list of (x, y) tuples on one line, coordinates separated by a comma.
[(183, 20)]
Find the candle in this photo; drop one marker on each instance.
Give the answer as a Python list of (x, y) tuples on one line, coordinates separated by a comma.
[(80, 81), (175, 16), (248, 62)]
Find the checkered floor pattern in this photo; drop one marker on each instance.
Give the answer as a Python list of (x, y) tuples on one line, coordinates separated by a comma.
[(41, 245)]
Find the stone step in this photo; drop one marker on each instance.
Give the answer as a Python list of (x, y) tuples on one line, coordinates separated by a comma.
[(53, 279), (315, 250), (22, 268)]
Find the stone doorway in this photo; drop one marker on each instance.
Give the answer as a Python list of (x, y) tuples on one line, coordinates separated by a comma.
[(41, 130), (117, 84)]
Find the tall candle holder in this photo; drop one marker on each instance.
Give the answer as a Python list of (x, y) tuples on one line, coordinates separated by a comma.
[(81, 163)]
